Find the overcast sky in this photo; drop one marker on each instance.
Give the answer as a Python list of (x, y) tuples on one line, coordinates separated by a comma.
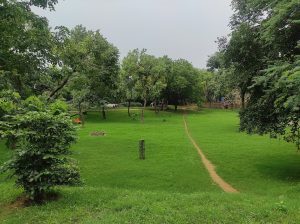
[(177, 28)]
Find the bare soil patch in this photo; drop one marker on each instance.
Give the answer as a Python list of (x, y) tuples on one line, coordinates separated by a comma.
[(98, 133)]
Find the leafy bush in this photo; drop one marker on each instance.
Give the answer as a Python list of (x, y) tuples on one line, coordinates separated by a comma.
[(39, 162), (8, 102), (9, 105), (33, 103), (58, 107)]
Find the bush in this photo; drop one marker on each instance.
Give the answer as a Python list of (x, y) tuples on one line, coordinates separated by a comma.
[(58, 107), (8, 102), (39, 163), (33, 103)]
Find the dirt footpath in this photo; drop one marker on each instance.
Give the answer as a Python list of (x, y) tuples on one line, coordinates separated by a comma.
[(208, 165)]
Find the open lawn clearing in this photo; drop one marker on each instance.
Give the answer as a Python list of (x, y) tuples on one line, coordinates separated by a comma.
[(171, 185)]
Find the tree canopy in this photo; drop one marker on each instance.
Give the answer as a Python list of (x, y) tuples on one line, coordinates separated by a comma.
[(261, 59)]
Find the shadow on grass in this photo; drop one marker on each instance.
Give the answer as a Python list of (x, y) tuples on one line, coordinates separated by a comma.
[(121, 116), (284, 168), (23, 202)]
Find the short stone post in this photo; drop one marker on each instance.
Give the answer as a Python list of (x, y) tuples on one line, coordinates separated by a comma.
[(142, 149)]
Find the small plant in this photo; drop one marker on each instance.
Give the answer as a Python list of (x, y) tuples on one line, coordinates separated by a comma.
[(280, 206), (134, 116), (39, 162)]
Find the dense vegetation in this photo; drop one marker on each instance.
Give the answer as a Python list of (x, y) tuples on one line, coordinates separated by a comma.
[(261, 61)]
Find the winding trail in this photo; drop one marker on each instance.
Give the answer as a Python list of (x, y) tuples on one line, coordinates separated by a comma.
[(208, 165)]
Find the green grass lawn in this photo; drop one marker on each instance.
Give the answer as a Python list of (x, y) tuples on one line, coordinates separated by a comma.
[(171, 185)]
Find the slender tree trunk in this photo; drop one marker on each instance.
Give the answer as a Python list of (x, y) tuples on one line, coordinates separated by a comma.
[(155, 106), (103, 113), (162, 105), (64, 82), (128, 108), (298, 139), (243, 99), (143, 110), (81, 116)]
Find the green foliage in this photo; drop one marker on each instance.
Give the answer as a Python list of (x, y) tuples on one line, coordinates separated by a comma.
[(275, 104), (39, 163), (58, 107), (261, 60), (26, 46), (9, 101), (33, 103), (147, 74), (90, 66)]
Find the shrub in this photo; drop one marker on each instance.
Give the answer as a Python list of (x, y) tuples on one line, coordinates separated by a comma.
[(58, 107), (40, 161), (33, 103), (9, 105), (8, 102)]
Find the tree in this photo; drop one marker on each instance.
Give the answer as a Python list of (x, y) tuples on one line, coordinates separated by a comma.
[(80, 92), (126, 87), (143, 74), (275, 106), (243, 57), (157, 81), (26, 46), (181, 82), (89, 66)]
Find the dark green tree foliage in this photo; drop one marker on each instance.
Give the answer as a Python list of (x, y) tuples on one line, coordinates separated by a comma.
[(275, 105), (25, 48), (181, 83), (42, 3), (87, 60), (9, 102), (143, 74), (39, 163), (274, 92), (243, 57)]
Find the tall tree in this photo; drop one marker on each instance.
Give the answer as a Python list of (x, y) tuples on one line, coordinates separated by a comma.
[(86, 56), (147, 73), (181, 82), (244, 57)]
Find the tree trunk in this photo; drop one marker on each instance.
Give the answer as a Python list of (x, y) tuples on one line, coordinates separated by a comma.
[(155, 106), (64, 82), (162, 105), (142, 149), (144, 107), (81, 116), (128, 109), (103, 113), (243, 99)]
